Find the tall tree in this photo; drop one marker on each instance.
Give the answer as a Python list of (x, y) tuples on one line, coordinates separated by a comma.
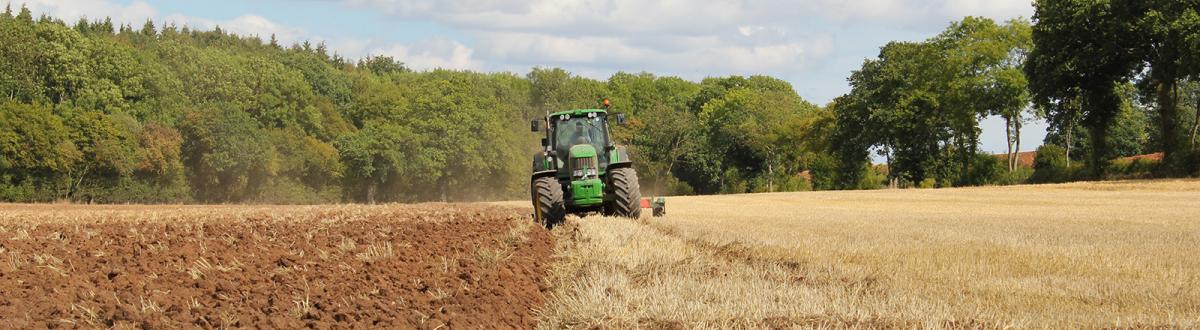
[(1082, 49), (747, 126), (919, 103), (986, 77), (1166, 32)]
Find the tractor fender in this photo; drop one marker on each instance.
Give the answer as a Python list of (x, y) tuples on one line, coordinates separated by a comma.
[(542, 167), (537, 175), (541, 163), (618, 157)]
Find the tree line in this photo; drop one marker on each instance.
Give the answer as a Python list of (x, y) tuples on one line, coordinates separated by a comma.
[(100, 112), (1113, 78)]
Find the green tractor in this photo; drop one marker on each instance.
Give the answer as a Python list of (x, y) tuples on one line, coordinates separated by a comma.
[(580, 169)]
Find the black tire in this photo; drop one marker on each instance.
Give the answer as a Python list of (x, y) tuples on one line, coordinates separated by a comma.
[(548, 208), (627, 194), (660, 211)]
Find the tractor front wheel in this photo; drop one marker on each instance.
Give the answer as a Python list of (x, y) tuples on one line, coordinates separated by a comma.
[(627, 194), (548, 208)]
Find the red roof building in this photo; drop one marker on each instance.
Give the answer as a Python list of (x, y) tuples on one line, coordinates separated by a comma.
[(1024, 158)]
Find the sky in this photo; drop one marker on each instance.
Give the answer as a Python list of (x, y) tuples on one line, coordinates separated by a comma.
[(813, 44)]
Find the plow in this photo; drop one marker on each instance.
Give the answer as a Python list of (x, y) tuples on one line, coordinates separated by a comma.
[(657, 205)]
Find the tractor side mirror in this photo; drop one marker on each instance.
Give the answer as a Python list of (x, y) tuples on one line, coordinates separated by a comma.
[(535, 125), (545, 142), (620, 119)]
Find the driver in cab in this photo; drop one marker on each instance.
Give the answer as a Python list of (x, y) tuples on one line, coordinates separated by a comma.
[(581, 135)]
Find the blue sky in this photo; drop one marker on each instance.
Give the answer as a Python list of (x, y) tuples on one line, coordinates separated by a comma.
[(813, 44)]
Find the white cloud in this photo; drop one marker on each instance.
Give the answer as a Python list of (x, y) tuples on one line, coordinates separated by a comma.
[(678, 36), (429, 54), (671, 36), (786, 38), (995, 9), (138, 11), (437, 53), (921, 14), (686, 17), (570, 16), (748, 31), (520, 46), (690, 57), (351, 48), (244, 25), (70, 11), (250, 24)]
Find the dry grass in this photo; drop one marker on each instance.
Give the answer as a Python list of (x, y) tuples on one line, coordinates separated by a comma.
[(1084, 255)]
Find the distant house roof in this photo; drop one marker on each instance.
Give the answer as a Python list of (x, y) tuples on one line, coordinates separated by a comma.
[(806, 174), (1158, 156), (1024, 158)]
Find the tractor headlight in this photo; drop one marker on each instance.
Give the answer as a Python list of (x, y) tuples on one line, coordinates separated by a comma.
[(589, 172), (584, 166)]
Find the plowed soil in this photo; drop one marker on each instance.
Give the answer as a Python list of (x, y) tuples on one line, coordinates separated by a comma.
[(393, 266)]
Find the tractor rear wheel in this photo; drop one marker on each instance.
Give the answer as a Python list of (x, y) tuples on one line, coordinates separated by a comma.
[(627, 194), (548, 208)]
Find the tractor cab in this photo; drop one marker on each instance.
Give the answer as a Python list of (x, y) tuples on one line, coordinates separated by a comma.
[(578, 129)]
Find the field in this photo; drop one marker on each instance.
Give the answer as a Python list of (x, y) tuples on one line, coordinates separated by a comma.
[(1086, 255), (1090, 255), (394, 266)]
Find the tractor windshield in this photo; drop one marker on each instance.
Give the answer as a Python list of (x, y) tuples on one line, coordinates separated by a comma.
[(581, 130)]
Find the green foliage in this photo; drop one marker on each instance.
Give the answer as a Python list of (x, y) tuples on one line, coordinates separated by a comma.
[(35, 153), (382, 65), (919, 103), (1127, 135), (873, 177), (1021, 175), (1050, 166), (556, 90), (383, 161), (1086, 50), (1139, 168), (33, 139), (474, 144), (1192, 162), (308, 160), (228, 156)]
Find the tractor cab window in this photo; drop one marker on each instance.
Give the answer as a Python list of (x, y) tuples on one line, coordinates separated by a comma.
[(581, 130)]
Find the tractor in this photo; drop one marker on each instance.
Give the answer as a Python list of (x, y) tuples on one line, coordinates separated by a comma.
[(580, 170)]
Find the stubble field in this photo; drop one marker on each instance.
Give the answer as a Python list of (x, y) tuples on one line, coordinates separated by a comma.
[(1084, 255)]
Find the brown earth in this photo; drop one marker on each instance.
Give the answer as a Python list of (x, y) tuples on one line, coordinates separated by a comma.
[(392, 266)]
